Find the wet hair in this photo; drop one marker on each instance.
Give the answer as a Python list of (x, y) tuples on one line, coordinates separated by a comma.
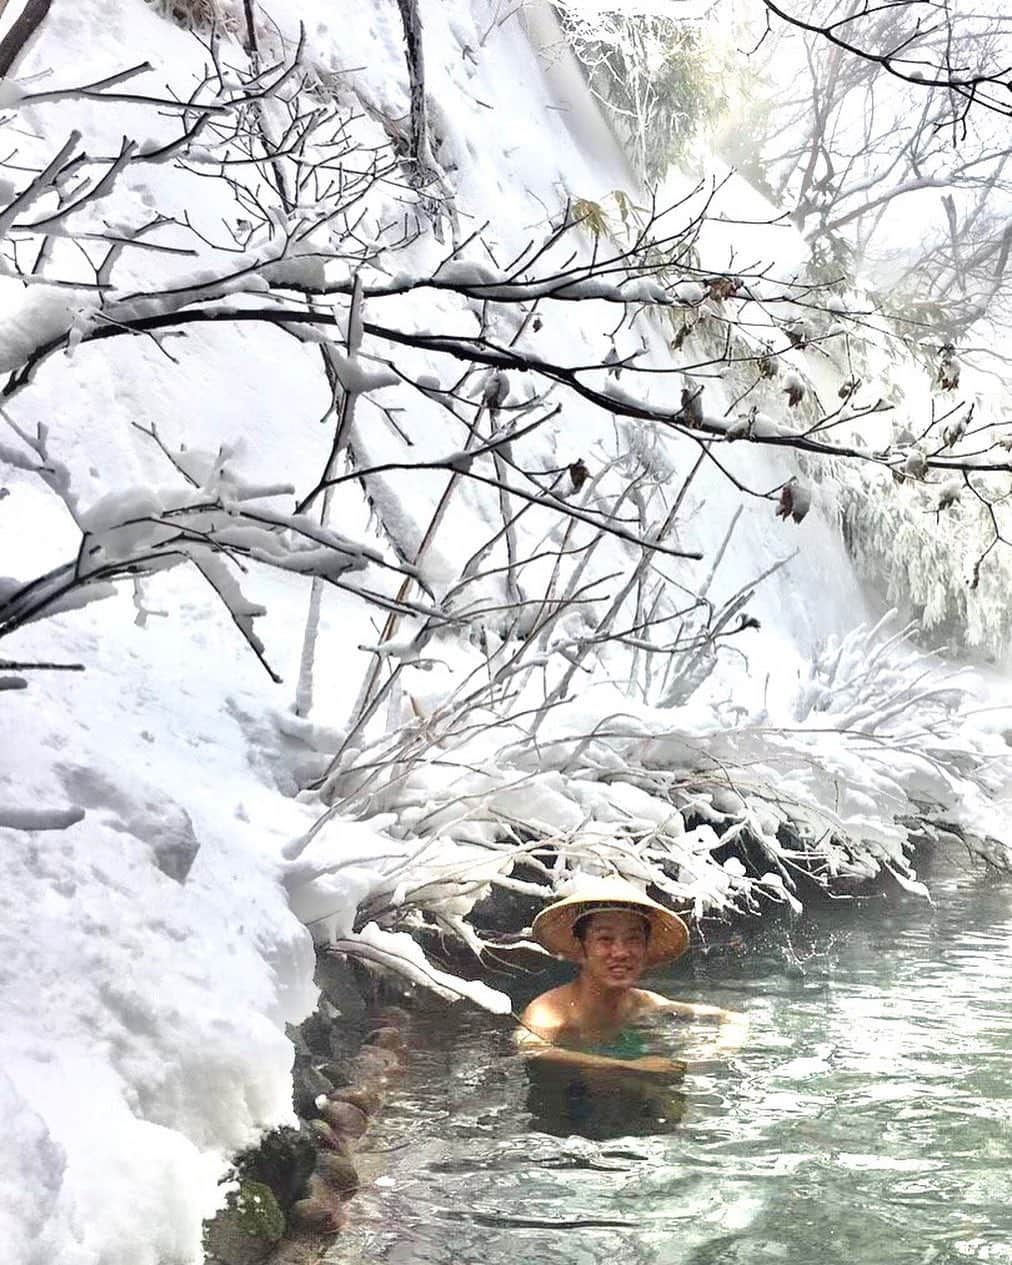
[(582, 924)]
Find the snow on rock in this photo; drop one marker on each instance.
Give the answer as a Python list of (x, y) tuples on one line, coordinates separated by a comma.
[(32, 1167)]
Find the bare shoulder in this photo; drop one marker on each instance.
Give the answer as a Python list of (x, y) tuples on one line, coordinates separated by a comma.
[(547, 1013), (647, 1001)]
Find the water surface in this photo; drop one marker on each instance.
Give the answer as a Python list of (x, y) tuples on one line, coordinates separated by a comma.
[(867, 1122)]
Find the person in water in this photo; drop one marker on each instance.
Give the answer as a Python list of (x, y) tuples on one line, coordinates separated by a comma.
[(613, 932)]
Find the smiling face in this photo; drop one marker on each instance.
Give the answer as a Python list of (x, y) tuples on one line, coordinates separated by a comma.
[(614, 948)]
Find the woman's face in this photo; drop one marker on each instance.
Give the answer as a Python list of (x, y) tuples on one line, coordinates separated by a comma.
[(615, 948)]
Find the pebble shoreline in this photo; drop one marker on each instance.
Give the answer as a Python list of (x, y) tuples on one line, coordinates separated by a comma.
[(286, 1213)]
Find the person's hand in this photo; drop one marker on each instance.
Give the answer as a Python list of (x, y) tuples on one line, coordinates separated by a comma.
[(655, 1066)]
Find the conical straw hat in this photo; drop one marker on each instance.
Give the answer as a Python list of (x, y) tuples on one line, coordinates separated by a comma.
[(553, 927)]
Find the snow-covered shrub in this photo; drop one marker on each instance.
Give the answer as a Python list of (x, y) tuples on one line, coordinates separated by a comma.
[(937, 562), (723, 805), (659, 78), (201, 15)]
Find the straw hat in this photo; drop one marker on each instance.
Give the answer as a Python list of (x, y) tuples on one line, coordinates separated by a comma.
[(553, 927)]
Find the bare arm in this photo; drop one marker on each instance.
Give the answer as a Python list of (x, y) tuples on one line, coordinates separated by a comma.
[(731, 1033), (538, 1036)]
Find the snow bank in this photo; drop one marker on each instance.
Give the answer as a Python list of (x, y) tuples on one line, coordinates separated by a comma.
[(157, 930)]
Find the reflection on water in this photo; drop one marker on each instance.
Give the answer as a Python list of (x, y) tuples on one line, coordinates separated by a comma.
[(867, 1122), (566, 1103), (591, 1103)]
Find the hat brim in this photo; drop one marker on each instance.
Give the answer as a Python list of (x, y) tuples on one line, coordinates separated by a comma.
[(553, 927)]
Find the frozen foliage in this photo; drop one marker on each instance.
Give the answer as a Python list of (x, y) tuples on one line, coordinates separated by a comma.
[(924, 534), (932, 554), (657, 76), (143, 530), (832, 777), (927, 539)]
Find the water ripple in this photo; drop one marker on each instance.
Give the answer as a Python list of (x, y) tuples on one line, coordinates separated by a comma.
[(869, 1122)]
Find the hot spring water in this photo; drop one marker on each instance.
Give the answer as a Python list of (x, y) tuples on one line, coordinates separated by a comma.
[(867, 1121)]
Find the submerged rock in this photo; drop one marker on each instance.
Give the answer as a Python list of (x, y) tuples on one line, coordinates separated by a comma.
[(321, 1210), (372, 1061), (325, 1136), (337, 1171), (386, 1038), (344, 1118), (361, 1096)]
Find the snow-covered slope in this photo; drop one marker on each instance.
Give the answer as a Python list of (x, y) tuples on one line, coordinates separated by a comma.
[(151, 955)]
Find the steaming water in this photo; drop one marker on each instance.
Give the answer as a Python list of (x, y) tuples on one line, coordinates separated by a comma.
[(867, 1122)]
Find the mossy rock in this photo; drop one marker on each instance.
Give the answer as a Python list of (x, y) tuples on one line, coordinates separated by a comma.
[(283, 1161), (246, 1229)]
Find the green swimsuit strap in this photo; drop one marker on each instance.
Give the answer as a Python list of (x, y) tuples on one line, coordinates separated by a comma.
[(627, 1044)]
